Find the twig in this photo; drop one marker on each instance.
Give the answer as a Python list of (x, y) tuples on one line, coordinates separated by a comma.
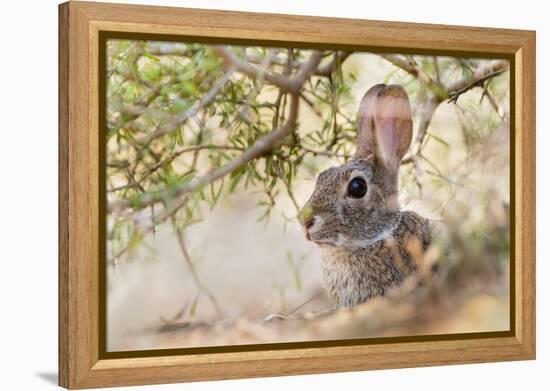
[(311, 105), (454, 95), (288, 190), (134, 112), (493, 103), (304, 303), (181, 118), (193, 271), (426, 116), (322, 70), (167, 50), (326, 70), (262, 146), (438, 172), (287, 84), (437, 70), (324, 153), (439, 91), (417, 174), (150, 170), (410, 66)]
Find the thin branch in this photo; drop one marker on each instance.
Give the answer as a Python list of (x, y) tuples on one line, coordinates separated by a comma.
[(286, 84), (193, 271), (289, 191), (479, 73), (437, 70), (325, 153), (311, 104), (277, 60), (145, 100), (493, 103), (410, 66), (168, 212), (439, 92), (438, 172), (478, 82), (181, 118), (262, 146), (194, 148), (322, 70), (326, 70), (428, 111), (168, 50), (299, 306)]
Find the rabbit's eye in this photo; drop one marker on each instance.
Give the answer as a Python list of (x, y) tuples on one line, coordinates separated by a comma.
[(357, 187)]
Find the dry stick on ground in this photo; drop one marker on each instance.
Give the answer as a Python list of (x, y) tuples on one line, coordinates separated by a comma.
[(302, 305), (288, 314)]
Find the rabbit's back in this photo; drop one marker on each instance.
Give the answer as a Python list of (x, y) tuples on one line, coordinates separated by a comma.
[(354, 276)]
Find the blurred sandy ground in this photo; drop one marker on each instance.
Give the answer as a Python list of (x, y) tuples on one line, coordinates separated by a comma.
[(245, 263)]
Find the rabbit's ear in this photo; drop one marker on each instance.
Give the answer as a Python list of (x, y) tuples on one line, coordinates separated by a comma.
[(365, 122), (385, 124), (392, 125)]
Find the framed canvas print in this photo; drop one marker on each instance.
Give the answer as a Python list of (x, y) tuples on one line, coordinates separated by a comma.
[(259, 195)]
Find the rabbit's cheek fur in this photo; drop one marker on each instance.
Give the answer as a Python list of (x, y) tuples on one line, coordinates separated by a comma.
[(325, 230)]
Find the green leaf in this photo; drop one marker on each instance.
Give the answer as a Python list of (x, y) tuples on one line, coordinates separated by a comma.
[(135, 240), (235, 178), (151, 57), (297, 279), (194, 306), (215, 194)]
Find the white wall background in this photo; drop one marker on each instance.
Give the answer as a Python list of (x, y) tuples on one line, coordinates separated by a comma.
[(28, 193)]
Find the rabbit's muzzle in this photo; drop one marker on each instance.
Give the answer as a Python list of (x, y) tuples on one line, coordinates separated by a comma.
[(307, 220), (316, 227)]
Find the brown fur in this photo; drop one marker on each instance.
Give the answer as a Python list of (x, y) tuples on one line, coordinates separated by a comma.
[(352, 277), (368, 244)]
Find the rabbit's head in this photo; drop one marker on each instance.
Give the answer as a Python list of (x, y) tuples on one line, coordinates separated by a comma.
[(355, 204)]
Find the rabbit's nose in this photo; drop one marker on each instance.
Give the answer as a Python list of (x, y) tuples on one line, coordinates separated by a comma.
[(309, 223)]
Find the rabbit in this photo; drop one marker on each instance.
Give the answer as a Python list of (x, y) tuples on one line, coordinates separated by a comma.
[(368, 244)]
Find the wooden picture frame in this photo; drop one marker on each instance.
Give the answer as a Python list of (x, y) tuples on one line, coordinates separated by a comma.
[(81, 362)]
